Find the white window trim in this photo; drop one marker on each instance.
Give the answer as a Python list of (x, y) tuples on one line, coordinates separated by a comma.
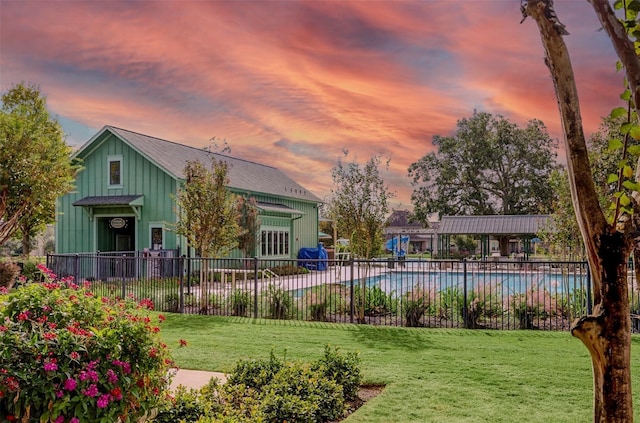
[(115, 158), (277, 229), (155, 225)]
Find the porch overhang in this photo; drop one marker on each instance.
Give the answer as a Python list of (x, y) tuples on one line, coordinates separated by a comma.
[(278, 208), (91, 203)]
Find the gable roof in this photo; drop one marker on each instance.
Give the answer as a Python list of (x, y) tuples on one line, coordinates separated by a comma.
[(493, 225), (243, 175)]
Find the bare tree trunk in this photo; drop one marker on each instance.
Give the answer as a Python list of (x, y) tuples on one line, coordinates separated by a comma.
[(10, 225), (205, 272), (607, 332), (26, 244)]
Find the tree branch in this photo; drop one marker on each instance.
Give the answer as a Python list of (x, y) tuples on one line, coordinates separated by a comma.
[(626, 53), (591, 219)]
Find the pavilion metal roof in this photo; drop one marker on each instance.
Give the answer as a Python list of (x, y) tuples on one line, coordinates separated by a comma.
[(493, 225)]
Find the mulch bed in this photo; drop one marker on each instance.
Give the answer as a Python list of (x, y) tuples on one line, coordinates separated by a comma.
[(365, 393)]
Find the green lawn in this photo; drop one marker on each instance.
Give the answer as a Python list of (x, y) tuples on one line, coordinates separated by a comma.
[(431, 375)]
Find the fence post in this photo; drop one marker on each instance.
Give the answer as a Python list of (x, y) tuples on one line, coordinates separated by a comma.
[(124, 288), (76, 268), (352, 307), (181, 273), (255, 287), (188, 275), (589, 298), (465, 311)]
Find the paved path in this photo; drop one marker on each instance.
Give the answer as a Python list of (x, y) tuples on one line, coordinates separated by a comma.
[(195, 378)]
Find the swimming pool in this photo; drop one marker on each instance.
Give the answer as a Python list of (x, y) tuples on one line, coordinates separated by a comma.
[(505, 283)]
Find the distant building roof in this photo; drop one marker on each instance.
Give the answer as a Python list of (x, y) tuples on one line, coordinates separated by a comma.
[(492, 225), (243, 175), (401, 218)]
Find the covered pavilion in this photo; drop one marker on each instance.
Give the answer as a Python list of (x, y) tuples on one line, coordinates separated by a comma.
[(524, 227)]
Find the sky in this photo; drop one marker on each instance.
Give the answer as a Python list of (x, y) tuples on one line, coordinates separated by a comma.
[(296, 84)]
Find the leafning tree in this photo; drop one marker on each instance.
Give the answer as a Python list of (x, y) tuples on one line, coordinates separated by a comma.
[(248, 221), (561, 233), (489, 167), (359, 208), (359, 205), (35, 164), (605, 157), (609, 237), (208, 216)]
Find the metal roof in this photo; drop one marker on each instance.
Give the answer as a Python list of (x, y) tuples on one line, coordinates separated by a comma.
[(110, 200), (278, 208), (243, 175), (493, 225)]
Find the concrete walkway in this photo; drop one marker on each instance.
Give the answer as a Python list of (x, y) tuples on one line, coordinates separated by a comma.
[(195, 378)]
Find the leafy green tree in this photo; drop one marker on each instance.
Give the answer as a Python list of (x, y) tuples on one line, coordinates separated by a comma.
[(359, 205), (208, 215), (359, 208), (489, 167), (465, 244), (207, 209), (561, 234), (35, 164), (609, 234), (249, 223)]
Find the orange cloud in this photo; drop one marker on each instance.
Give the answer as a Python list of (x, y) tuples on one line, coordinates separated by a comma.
[(293, 84)]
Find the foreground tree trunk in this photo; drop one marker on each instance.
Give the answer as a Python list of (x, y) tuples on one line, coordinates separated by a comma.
[(607, 332)]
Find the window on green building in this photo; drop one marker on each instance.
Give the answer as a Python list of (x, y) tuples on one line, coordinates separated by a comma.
[(114, 171), (274, 243)]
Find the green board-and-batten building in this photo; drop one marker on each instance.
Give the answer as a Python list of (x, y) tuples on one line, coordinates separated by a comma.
[(124, 198)]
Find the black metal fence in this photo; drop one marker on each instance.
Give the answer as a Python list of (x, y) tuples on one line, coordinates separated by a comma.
[(430, 293)]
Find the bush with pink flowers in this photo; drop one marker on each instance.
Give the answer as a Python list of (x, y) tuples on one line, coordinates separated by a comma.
[(68, 357)]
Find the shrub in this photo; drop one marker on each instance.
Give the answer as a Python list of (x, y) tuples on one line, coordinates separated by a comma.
[(299, 394), (574, 304), (317, 306), (449, 301), (239, 301), (343, 369), (66, 356), (9, 271), (531, 305), (415, 304), (376, 301), (483, 301), (279, 301), (288, 270), (190, 405), (271, 391), (31, 272), (255, 373)]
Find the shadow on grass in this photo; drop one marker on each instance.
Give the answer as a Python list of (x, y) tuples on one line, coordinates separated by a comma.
[(391, 338)]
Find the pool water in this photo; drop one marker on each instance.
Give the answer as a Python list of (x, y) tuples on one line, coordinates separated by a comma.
[(506, 283)]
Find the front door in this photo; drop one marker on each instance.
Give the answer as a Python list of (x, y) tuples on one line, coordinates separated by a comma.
[(117, 233), (123, 242)]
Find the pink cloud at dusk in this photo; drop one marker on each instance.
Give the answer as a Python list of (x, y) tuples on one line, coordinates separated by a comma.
[(294, 83)]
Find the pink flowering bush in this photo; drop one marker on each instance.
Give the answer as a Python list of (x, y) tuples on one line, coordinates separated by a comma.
[(69, 357), (533, 305)]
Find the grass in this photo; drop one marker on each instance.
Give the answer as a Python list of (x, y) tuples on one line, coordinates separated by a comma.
[(431, 375)]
